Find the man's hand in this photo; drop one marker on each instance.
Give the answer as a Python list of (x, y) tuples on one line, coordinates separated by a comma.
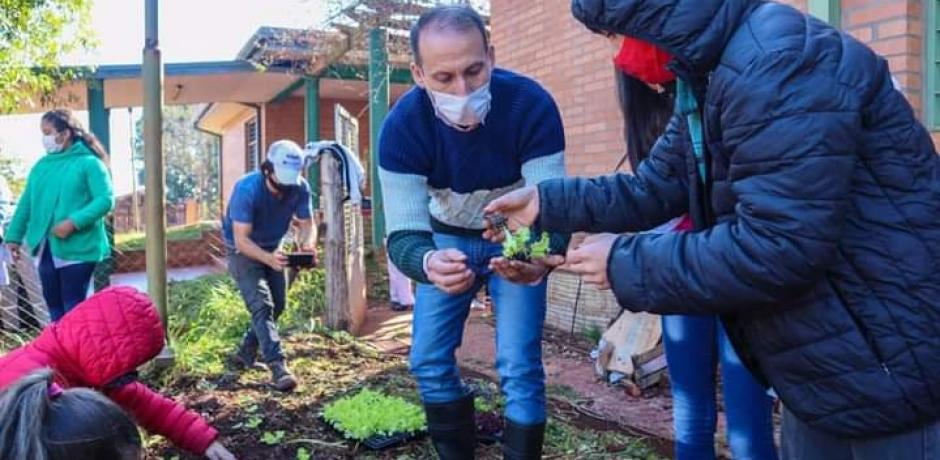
[(218, 452), (447, 269), (276, 260), (64, 229), (520, 208), (524, 272), (589, 259)]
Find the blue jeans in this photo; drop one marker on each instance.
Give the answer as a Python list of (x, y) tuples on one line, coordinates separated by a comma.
[(438, 330), (694, 345), (265, 293), (63, 288)]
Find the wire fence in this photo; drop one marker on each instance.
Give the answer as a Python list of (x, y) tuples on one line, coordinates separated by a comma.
[(194, 248)]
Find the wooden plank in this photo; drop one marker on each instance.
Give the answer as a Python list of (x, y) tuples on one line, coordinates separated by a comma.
[(337, 281), (632, 334)]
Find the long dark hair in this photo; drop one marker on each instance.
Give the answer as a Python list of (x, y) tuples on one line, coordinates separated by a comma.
[(646, 113), (63, 119), (77, 424)]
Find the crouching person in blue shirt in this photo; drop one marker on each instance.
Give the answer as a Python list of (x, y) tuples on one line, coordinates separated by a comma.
[(258, 217), (468, 133)]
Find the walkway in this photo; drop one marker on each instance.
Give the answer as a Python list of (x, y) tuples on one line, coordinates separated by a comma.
[(139, 279)]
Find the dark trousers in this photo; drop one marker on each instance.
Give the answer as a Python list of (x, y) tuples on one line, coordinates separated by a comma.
[(803, 442), (265, 293), (63, 288)]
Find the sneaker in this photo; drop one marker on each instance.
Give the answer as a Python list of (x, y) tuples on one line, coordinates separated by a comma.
[(281, 377)]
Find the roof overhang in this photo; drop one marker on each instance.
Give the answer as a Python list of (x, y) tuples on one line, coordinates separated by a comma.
[(183, 83)]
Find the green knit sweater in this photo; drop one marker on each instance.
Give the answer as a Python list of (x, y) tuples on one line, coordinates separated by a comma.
[(71, 184)]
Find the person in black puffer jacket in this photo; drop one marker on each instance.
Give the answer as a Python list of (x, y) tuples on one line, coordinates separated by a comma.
[(814, 193)]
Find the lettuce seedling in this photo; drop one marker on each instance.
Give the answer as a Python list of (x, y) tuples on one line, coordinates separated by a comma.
[(370, 413)]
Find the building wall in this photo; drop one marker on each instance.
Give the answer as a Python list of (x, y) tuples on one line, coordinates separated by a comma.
[(285, 120), (233, 153), (542, 40)]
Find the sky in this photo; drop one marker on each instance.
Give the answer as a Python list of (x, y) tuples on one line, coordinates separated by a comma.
[(190, 30)]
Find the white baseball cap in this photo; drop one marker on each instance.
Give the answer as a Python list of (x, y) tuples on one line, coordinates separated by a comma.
[(288, 160)]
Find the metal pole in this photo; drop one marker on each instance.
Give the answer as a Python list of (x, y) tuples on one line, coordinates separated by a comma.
[(378, 110), (99, 120), (312, 118), (155, 225)]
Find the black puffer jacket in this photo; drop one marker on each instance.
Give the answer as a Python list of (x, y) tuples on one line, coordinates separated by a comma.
[(819, 227)]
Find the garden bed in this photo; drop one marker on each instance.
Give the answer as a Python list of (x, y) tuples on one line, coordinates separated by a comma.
[(258, 423)]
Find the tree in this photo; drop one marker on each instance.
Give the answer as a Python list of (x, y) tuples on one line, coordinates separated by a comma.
[(34, 35), (191, 158)]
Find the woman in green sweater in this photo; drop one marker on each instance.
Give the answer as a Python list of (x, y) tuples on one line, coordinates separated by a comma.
[(60, 215)]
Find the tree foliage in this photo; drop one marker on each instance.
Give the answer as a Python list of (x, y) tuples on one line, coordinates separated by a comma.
[(34, 36), (191, 158)]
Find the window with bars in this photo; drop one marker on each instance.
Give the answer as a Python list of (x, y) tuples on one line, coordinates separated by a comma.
[(932, 66), (252, 153)]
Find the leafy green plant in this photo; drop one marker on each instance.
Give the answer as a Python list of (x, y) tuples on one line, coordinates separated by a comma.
[(540, 249), (519, 245), (273, 439), (303, 454), (253, 422), (371, 413)]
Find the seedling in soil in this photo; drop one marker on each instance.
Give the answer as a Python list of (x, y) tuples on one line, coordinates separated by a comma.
[(370, 413), (303, 454), (253, 422), (518, 245), (272, 439)]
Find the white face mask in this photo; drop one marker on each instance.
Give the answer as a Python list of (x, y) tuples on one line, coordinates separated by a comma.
[(49, 143), (462, 113)]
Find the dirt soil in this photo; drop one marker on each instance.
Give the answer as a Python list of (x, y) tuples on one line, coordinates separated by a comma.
[(256, 422)]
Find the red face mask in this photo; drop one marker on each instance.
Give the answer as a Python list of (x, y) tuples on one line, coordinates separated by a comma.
[(644, 61)]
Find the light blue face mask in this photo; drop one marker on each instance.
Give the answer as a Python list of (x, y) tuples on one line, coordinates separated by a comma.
[(49, 143), (462, 113)]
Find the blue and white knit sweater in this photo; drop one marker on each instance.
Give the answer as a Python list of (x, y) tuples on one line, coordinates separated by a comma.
[(437, 179)]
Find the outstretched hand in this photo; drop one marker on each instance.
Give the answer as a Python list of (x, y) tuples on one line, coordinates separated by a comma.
[(589, 259), (520, 208)]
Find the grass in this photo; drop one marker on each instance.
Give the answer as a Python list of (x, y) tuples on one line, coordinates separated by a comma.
[(136, 241), (208, 318)]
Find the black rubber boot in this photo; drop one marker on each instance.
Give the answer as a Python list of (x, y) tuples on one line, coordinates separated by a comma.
[(523, 442), (452, 427)]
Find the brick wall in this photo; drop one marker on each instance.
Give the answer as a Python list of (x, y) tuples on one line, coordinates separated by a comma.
[(894, 29), (200, 252), (285, 120), (542, 40)]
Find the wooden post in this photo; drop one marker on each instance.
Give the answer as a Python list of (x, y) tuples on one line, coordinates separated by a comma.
[(337, 281)]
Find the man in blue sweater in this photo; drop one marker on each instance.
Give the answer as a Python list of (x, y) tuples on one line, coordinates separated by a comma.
[(468, 133)]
